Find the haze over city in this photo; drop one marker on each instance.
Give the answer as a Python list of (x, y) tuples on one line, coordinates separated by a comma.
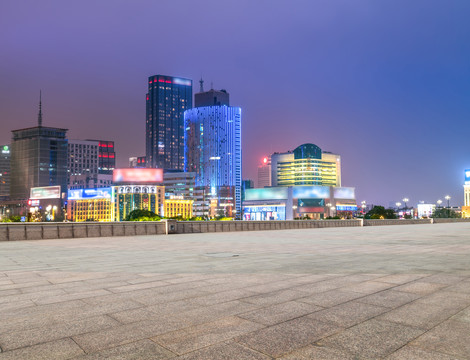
[(383, 84)]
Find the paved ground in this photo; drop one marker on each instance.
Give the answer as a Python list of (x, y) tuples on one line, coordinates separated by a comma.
[(394, 292)]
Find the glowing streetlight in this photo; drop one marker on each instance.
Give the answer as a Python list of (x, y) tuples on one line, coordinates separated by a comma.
[(405, 200)]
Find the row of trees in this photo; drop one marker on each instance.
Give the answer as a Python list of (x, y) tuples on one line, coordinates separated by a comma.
[(379, 212)]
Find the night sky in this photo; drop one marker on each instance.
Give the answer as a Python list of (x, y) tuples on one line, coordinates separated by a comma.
[(385, 84)]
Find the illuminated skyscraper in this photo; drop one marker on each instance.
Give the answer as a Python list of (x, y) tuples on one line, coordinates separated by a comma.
[(167, 99), (213, 152)]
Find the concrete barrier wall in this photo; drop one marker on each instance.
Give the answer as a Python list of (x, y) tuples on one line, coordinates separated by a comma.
[(38, 231), (444, 220), (184, 227), (371, 222)]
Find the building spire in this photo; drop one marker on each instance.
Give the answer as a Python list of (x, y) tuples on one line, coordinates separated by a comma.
[(40, 110), (201, 85)]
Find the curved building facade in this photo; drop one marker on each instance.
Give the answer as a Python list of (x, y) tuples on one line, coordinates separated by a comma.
[(306, 165)]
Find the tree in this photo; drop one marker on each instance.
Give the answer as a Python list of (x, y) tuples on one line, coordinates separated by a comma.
[(445, 213), (379, 212), (142, 215)]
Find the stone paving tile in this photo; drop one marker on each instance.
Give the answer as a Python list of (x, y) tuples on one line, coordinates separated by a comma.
[(223, 296), (372, 339), (225, 351), (367, 287), (452, 337), (400, 279), (446, 299), (461, 287), (389, 298), (418, 315), (200, 336), (124, 334), (275, 297), (139, 350), (420, 287), (28, 337), (331, 298), (278, 313), (284, 338), (445, 279), (413, 353), (134, 315), (211, 313), (68, 297), (318, 353), (146, 285), (57, 350), (348, 314)]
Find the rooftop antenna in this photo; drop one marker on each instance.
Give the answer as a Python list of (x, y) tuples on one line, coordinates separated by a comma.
[(201, 85), (40, 110), (212, 85)]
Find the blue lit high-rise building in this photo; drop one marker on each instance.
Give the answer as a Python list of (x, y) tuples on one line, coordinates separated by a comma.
[(167, 99), (213, 150)]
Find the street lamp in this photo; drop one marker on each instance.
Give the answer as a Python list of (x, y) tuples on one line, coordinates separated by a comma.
[(398, 204), (439, 202), (363, 206), (405, 200), (447, 197)]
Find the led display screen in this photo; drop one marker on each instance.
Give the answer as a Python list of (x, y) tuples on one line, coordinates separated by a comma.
[(274, 193), (467, 176), (346, 207), (137, 176), (311, 192), (47, 192), (88, 194), (344, 193)]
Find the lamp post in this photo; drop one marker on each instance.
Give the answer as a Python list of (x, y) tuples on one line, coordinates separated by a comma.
[(329, 209), (447, 197), (363, 206), (405, 200), (398, 204)]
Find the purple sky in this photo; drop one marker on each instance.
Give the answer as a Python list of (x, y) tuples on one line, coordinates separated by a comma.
[(385, 84)]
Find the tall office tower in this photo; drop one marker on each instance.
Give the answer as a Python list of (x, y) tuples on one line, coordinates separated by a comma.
[(264, 173), (106, 157), (38, 158), (82, 159), (4, 171), (167, 99), (213, 151), (306, 165)]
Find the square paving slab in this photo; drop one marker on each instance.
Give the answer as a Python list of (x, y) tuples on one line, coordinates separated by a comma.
[(386, 292)]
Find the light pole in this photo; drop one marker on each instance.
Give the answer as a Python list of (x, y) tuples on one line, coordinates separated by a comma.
[(405, 200), (363, 206), (329, 209), (448, 205), (398, 204)]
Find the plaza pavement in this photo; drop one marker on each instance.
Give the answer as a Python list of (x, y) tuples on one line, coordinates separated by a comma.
[(387, 292)]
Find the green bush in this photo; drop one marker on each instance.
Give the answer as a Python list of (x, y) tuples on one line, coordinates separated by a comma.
[(142, 215)]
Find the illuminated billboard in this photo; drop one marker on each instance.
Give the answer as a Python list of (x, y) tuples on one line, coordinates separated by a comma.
[(344, 193), (89, 194), (46, 192), (467, 177), (137, 176), (311, 192), (274, 193)]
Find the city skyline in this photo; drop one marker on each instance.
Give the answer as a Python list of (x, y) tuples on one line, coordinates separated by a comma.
[(385, 86)]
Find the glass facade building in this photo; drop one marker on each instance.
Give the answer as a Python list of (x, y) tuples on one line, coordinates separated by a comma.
[(38, 158), (306, 165), (213, 152), (4, 171), (167, 99)]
